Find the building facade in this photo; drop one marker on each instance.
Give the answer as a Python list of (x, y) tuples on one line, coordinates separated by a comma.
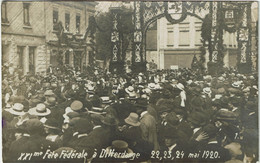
[(178, 43), (29, 39)]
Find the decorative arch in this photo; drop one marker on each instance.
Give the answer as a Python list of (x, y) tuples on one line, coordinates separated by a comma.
[(223, 15)]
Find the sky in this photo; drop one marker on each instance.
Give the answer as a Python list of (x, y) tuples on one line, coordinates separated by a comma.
[(104, 7)]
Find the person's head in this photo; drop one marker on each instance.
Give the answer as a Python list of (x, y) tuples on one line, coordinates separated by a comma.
[(34, 127), (234, 149), (171, 137), (163, 115), (170, 141), (52, 126), (96, 119), (218, 124), (211, 131)]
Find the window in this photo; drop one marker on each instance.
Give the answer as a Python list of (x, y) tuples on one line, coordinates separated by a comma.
[(55, 18), (32, 60), (20, 55), (184, 38), (77, 23), (170, 39), (4, 13), (67, 22), (67, 57), (198, 38), (26, 17), (54, 58)]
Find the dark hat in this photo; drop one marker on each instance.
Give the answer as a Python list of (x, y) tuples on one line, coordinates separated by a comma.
[(34, 126), (179, 111), (73, 114), (211, 130), (76, 105), (171, 134), (17, 99), (198, 118), (224, 102), (224, 114), (52, 124), (163, 108), (196, 103), (141, 102), (216, 103), (172, 118), (97, 117), (120, 146), (83, 126), (95, 101), (108, 120), (69, 93), (74, 121), (196, 90), (250, 105), (87, 104)]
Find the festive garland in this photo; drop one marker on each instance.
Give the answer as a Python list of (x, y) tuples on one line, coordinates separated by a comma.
[(170, 19)]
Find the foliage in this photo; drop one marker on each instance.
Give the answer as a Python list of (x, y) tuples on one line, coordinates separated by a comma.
[(103, 35), (103, 38), (206, 29)]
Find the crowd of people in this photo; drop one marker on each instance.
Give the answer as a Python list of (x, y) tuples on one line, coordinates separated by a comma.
[(164, 115)]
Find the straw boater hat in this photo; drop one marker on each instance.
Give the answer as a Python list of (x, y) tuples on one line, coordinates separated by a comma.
[(151, 86), (106, 100), (131, 93), (16, 109), (76, 105), (207, 90), (90, 89), (132, 96), (39, 110), (130, 89), (132, 119), (147, 91), (49, 93), (96, 110), (235, 85)]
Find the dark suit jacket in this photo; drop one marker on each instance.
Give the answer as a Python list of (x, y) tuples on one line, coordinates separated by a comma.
[(30, 144), (149, 130), (223, 154), (99, 138)]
